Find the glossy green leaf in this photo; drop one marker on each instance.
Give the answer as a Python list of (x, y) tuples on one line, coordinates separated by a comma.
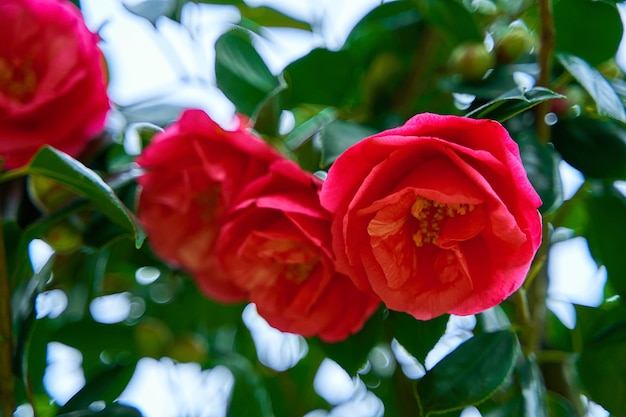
[(51, 163), (452, 19), (595, 147), (266, 16), (558, 337), (606, 234), (601, 364), (470, 374), (589, 29), (158, 110), (241, 73), (309, 128), (24, 311), (513, 103), (512, 408), (321, 77), (542, 167), (558, 406), (114, 410), (595, 324), (386, 16), (607, 101), (250, 396), (389, 26), (533, 388), (106, 386), (418, 337), (93, 338), (338, 136)]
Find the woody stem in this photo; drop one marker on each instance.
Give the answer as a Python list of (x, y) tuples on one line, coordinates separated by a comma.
[(7, 380)]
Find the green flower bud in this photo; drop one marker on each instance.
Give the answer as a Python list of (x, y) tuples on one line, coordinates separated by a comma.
[(47, 194), (152, 337), (189, 347), (609, 69), (513, 43), (471, 61), (64, 238), (574, 96)]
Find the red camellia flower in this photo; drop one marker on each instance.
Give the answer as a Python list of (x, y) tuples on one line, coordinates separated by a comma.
[(52, 80), (436, 216), (194, 172), (277, 247)]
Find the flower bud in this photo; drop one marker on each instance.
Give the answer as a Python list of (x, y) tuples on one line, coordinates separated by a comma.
[(48, 195), (152, 336), (471, 61), (513, 43), (609, 69), (574, 96), (189, 347), (64, 237)]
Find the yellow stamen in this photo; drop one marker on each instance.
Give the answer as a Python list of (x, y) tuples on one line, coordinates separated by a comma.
[(430, 215)]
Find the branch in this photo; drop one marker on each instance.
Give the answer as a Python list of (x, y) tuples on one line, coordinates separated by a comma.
[(7, 379), (546, 54)]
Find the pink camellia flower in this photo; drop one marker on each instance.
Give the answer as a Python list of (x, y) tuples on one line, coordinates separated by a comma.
[(436, 216), (52, 80), (276, 246), (194, 172)]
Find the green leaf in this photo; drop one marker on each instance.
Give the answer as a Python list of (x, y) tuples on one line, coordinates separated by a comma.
[(23, 305), (322, 77), (266, 16), (241, 73), (106, 386), (596, 324), (158, 110), (59, 166), (93, 338), (533, 388), (339, 135), (390, 26), (589, 29), (606, 234), (114, 410), (558, 406), (470, 374), (542, 166), (418, 337), (601, 364), (513, 103), (595, 147), (452, 19), (309, 128), (558, 337), (250, 397), (607, 101)]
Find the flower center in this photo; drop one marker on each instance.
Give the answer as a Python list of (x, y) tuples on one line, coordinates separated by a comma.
[(430, 216), (294, 259), (18, 79)]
